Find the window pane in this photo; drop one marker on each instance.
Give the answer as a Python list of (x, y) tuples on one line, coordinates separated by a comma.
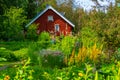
[(56, 27), (50, 18)]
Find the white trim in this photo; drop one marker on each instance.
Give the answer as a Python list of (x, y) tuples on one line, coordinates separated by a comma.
[(57, 25), (50, 7)]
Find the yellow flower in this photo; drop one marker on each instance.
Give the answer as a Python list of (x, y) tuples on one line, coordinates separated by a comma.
[(7, 77), (80, 74)]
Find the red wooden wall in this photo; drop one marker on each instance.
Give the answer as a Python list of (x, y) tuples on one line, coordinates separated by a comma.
[(49, 26)]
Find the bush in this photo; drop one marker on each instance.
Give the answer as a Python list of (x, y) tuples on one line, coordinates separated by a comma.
[(33, 52), (31, 32), (44, 57), (2, 59), (52, 58), (13, 23), (7, 54), (67, 44), (14, 45), (44, 40), (21, 54), (117, 54), (88, 37)]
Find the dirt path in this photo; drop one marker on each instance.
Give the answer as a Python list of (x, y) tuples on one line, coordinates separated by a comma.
[(7, 65)]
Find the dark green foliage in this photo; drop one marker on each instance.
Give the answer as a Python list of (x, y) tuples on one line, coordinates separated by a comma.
[(7, 54), (33, 52), (47, 59), (13, 51), (117, 54), (31, 33), (13, 46), (12, 24), (30, 9)]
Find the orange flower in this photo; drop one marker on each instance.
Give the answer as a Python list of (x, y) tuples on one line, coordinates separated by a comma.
[(7, 77)]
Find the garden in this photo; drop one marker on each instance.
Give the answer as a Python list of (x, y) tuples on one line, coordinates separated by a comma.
[(67, 58), (92, 52)]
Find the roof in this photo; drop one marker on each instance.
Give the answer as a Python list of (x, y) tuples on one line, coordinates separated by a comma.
[(49, 7)]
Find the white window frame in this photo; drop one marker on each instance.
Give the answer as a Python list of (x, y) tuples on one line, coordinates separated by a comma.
[(57, 27), (50, 18)]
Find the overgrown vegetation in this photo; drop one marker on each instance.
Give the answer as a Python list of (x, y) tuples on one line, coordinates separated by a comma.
[(92, 53), (60, 60)]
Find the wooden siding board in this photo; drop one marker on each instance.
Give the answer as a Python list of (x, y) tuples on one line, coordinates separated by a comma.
[(45, 25)]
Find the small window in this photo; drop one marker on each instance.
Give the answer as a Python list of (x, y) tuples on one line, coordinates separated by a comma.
[(57, 28), (50, 18)]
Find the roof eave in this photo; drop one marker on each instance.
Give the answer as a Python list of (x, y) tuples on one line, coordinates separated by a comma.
[(49, 7), (62, 16)]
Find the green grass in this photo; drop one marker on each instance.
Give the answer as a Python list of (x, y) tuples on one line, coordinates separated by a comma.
[(14, 45), (5, 63), (8, 63), (13, 51)]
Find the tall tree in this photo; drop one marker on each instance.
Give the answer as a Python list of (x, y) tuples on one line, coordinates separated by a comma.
[(12, 24)]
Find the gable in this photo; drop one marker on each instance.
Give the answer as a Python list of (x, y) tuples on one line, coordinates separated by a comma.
[(50, 8)]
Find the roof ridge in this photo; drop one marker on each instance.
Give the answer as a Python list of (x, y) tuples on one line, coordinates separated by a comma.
[(41, 13)]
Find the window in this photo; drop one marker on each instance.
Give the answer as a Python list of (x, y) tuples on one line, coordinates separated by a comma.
[(50, 18), (57, 28)]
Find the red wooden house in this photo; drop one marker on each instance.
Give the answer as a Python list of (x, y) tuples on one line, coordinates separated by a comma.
[(53, 22)]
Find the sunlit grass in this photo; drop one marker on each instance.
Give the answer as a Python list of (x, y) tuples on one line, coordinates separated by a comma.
[(8, 63)]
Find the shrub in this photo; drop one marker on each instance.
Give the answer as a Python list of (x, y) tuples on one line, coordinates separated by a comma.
[(89, 55), (2, 59), (117, 54), (31, 32), (21, 54), (44, 40), (88, 36), (66, 46), (52, 58), (13, 23), (33, 51), (24, 72), (14, 45), (7, 54)]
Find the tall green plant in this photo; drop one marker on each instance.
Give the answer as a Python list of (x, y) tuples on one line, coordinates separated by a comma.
[(66, 46), (32, 32), (88, 36), (24, 72), (33, 53), (13, 23), (44, 40)]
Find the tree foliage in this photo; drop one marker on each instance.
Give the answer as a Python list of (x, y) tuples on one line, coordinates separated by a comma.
[(13, 23), (31, 32), (105, 26)]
